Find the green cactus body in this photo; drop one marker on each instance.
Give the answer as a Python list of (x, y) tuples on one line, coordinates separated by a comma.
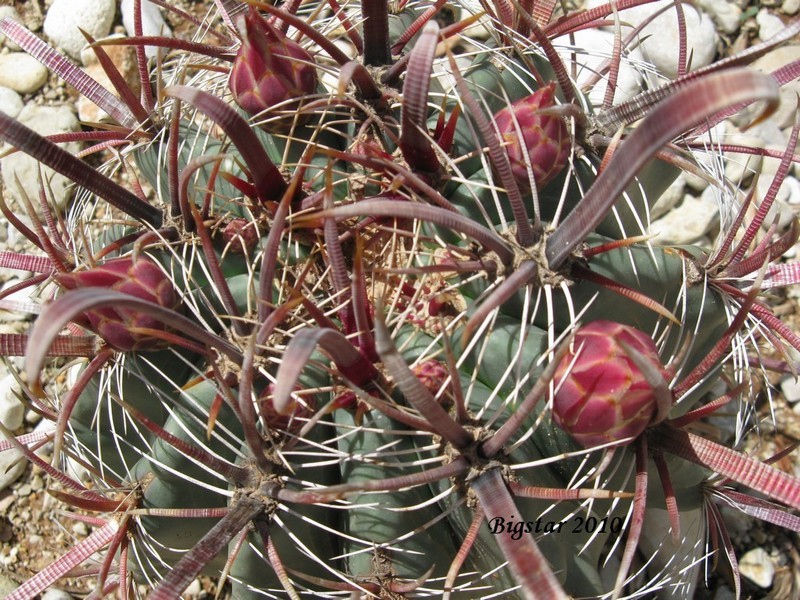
[(377, 522), (163, 474), (298, 287), (146, 381)]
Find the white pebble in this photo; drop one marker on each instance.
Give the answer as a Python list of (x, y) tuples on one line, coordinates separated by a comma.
[(592, 48), (45, 120), (769, 24), (790, 7), (64, 18), (11, 409), (21, 72), (790, 387), (724, 13), (661, 43), (480, 30), (793, 185), (10, 102), (152, 22), (757, 566), (23, 297), (56, 594), (11, 13), (787, 111), (739, 167), (80, 529), (690, 221), (193, 591), (12, 466), (670, 198)]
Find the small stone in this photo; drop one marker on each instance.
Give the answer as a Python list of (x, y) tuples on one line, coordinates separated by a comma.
[(739, 168), (725, 14), (194, 590), (56, 594), (32, 417), (769, 24), (11, 13), (476, 31), (24, 490), (790, 388), (592, 48), (11, 558), (37, 483), (793, 186), (16, 241), (152, 22), (790, 7), (124, 59), (757, 566), (12, 410), (660, 37), (787, 111), (22, 73), (12, 466), (670, 198), (80, 529), (65, 17), (45, 427), (45, 120), (10, 102), (690, 221)]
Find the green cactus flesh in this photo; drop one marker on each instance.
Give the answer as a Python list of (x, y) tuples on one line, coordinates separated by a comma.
[(375, 540)]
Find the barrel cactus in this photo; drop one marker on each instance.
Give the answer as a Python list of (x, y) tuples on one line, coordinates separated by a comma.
[(385, 321)]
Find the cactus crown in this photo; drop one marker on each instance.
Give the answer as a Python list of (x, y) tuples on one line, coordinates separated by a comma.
[(383, 313)]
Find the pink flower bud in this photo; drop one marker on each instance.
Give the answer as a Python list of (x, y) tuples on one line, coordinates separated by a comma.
[(432, 374), (269, 68), (545, 138), (140, 278), (601, 395), (241, 235)]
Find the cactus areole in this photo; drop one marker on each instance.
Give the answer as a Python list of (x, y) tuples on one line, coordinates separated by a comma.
[(601, 395)]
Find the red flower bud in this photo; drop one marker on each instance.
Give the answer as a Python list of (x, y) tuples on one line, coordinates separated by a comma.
[(602, 396), (140, 278), (545, 138), (269, 68), (241, 235), (432, 374)]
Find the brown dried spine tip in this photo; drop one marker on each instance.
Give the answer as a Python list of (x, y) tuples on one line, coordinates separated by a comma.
[(299, 411)]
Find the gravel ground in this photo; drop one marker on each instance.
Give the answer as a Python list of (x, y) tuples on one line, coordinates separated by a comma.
[(33, 532)]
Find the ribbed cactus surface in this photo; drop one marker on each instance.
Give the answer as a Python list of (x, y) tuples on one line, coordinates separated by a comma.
[(388, 324)]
